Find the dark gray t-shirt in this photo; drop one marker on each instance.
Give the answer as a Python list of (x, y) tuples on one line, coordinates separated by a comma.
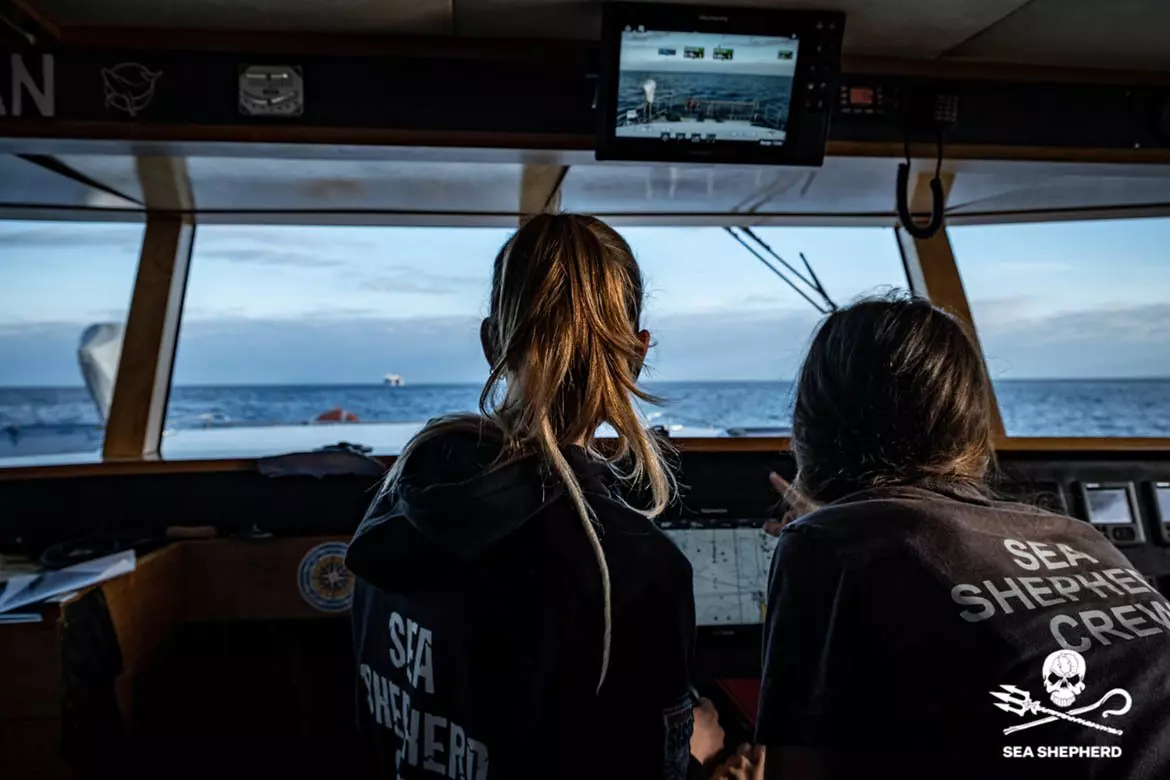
[(911, 628)]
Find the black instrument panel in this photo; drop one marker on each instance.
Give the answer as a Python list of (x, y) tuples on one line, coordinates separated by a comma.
[(1124, 495), (1118, 494)]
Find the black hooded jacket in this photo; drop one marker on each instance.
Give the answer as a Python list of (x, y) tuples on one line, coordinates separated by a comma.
[(478, 625)]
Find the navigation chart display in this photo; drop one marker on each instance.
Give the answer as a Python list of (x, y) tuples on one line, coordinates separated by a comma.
[(731, 572)]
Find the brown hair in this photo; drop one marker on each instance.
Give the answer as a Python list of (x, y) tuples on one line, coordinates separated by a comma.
[(566, 303), (893, 392)]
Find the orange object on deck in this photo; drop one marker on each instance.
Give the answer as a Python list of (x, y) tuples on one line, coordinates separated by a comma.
[(337, 414)]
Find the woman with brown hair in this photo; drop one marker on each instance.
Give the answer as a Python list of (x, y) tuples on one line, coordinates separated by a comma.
[(512, 618), (917, 625)]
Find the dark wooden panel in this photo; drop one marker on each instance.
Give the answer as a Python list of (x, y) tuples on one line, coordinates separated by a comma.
[(31, 747), (31, 679), (235, 579)]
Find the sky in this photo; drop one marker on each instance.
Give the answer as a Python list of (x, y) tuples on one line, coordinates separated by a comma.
[(341, 305), (751, 55)]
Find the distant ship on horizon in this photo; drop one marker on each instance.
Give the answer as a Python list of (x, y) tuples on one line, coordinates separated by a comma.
[(394, 380)]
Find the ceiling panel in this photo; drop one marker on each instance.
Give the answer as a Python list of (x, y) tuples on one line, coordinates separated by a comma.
[(658, 187), (845, 185), (1074, 192), (119, 173), (329, 185), (333, 16), (1079, 33), (896, 28), (25, 183), (842, 186)]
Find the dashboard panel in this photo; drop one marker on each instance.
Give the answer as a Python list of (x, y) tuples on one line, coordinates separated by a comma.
[(718, 524), (726, 499)]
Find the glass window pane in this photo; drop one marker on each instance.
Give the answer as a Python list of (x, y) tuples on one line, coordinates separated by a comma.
[(729, 333), (287, 328), (1075, 320), (283, 326), (64, 293)]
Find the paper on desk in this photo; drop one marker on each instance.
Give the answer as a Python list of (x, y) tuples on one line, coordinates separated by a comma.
[(7, 618), (24, 588)]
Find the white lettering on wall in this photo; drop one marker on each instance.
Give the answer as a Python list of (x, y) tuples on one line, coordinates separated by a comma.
[(22, 85)]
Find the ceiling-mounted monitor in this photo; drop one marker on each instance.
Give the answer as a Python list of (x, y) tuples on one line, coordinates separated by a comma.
[(683, 83)]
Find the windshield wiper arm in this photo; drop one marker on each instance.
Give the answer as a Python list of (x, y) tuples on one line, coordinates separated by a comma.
[(778, 272), (814, 282)]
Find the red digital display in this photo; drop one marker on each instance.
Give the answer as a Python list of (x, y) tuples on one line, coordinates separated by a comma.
[(861, 96)]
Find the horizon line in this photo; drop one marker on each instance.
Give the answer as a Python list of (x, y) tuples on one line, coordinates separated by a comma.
[(479, 384)]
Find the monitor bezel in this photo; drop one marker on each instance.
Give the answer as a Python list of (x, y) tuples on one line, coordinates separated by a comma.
[(1155, 486), (1130, 497), (1159, 517), (807, 129)]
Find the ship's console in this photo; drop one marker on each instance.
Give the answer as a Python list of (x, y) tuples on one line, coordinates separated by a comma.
[(258, 587), (727, 500)]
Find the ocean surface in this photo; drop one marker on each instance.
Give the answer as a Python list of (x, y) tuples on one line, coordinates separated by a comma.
[(1029, 408), (672, 90)]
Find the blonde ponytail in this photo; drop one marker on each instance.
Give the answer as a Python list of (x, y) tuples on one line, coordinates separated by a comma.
[(563, 336)]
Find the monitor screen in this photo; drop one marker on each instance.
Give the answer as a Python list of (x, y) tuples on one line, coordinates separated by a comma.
[(715, 85), (1109, 505), (731, 567), (1162, 491), (704, 87)]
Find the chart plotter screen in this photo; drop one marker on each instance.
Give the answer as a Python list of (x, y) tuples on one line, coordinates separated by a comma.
[(731, 571)]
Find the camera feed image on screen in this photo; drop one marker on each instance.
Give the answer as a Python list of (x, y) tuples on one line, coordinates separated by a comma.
[(704, 87)]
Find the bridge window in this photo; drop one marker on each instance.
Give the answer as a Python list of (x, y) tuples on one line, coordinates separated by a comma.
[(730, 333), (1074, 318), (64, 294), (289, 329)]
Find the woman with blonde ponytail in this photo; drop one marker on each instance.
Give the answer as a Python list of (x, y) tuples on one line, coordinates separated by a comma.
[(512, 616)]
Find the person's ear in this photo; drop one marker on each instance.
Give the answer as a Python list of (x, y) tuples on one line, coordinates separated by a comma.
[(644, 338), (485, 340)]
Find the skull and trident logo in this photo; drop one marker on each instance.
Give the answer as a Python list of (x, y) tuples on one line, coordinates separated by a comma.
[(1064, 680)]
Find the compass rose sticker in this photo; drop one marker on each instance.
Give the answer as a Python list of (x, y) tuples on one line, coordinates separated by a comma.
[(323, 580)]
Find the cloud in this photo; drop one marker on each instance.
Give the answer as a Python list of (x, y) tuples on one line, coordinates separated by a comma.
[(198, 312), (330, 351), (1118, 341), (401, 279), (79, 235), (1005, 315), (272, 256), (359, 348), (1020, 319), (769, 301), (1148, 323), (1030, 267)]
